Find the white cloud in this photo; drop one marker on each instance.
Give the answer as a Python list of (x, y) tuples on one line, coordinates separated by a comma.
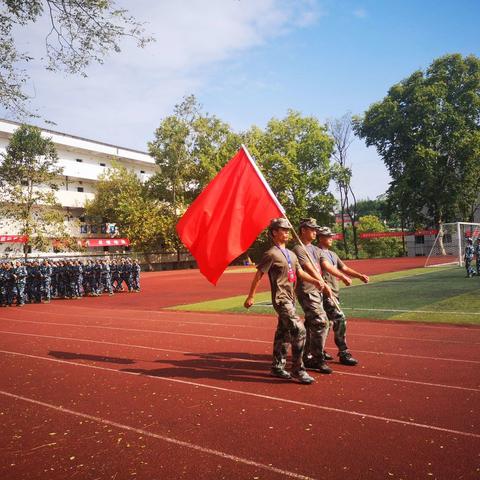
[(123, 100)]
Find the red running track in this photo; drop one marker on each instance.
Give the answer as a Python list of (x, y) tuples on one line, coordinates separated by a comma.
[(113, 388)]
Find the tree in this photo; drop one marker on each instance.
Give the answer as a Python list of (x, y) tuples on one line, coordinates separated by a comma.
[(427, 131), (81, 32), (341, 131), (377, 247), (27, 187), (123, 199), (294, 156), (190, 148)]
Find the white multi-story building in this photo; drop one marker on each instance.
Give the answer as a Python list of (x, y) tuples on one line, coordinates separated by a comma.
[(83, 161)]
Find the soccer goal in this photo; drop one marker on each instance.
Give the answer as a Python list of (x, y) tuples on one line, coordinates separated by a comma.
[(449, 245)]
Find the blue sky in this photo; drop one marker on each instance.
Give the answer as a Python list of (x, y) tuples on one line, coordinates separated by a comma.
[(250, 60)]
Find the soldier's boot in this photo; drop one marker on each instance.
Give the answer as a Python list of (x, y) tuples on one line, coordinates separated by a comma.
[(303, 377), (327, 356), (347, 359), (280, 373), (317, 365)]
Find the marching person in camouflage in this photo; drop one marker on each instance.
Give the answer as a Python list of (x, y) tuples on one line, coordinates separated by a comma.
[(468, 258), (283, 268), (311, 298), (332, 270)]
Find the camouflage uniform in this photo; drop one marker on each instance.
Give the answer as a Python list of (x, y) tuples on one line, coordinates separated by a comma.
[(136, 276), (46, 272), (477, 255), (106, 278), (468, 257), (20, 274), (290, 330), (311, 300), (334, 313)]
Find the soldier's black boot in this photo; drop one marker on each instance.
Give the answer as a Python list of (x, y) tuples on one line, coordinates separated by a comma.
[(327, 356), (317, 365), (347, 359), (280, 373)]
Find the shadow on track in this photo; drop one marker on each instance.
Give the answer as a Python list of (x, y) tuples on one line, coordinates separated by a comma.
[(230, 366), (85, 356)]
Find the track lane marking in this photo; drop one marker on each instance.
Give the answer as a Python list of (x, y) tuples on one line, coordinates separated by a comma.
[(146, 433), (256, 395), (230, 338), (165, 311), (238, 359)]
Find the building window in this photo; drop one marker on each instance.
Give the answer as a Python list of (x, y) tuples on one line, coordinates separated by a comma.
[(79, 160), (142, 171), (103, 164), (24, 183), (79, 189)]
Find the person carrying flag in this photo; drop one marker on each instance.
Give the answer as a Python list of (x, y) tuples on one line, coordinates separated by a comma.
[(283, 269)]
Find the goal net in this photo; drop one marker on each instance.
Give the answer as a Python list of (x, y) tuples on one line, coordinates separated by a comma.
[(449, 245)]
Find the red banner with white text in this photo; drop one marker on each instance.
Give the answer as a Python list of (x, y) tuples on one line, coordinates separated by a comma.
[(13, 238)]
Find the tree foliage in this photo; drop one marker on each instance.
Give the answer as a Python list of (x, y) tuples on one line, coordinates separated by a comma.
[(341, 131), (377, 247), (294, 156), (80, 32), (123, 199), (427, 131), (27, 186), (190, 148)]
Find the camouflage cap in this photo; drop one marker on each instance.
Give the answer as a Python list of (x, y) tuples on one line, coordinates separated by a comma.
[(309, 222), (279, 223), (325, 231)]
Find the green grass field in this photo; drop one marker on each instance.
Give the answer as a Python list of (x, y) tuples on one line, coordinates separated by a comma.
[(427, 295)]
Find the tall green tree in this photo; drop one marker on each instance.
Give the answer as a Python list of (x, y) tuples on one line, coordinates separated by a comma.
[(294, 156), (341, 132), (79, 33), (123, 199), (189, 147), (427, 131), (28, 176)]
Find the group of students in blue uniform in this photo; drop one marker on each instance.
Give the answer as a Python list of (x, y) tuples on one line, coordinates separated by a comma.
[(472, 250), (40, 280)]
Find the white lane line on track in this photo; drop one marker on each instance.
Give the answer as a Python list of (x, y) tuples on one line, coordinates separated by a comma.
[(256, 395), (164, 311), (146, 433), (189, 322), (238, 359), (230, 338)]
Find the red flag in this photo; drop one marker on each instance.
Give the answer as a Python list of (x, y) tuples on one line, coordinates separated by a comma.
[(228, 215)]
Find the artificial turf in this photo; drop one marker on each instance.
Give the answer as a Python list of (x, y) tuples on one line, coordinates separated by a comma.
[(429, 295)]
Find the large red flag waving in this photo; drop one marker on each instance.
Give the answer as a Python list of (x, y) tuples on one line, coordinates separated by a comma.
[(228, 215)]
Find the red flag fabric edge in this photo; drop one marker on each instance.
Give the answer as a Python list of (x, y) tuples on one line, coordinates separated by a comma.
[(228, 215)]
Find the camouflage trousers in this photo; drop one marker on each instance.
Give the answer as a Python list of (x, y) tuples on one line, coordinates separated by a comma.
[(290, 331), (337, 317), (469, 267), (316, 325)]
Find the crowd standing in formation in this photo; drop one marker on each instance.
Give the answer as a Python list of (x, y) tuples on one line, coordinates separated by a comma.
[(311, 273), (40, 280), (472, 251)]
